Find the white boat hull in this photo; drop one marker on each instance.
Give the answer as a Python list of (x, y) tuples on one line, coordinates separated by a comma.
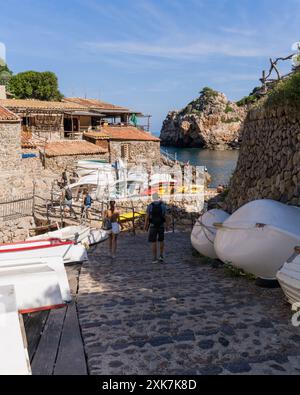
[(97, 236), (77, 253), (41, 249), (259, 237), (56, 264), (14, 359), (80, 234), (74, 233), (289, 279), (36, 288), (204, 232)]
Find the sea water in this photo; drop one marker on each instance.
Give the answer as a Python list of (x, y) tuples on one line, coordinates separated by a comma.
[(220, 164)]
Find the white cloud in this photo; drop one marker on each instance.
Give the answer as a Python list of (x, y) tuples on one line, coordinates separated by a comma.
[(183, 51)]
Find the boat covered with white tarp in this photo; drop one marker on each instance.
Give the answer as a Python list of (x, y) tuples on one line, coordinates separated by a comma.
[(204, 232), (259, 237), (289, 278)]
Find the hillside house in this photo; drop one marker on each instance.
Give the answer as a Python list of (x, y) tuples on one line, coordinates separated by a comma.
[(126, 142)]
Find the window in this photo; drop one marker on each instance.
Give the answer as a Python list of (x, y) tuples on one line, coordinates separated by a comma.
[(125, 151)]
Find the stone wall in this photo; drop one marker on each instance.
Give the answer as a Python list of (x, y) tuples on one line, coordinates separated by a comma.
[(147, 152), (10, 147), (59, 163), (269, 161), (15, 230)]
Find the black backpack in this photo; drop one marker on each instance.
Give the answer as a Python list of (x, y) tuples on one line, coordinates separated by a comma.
[(157, 217), (68, 194)]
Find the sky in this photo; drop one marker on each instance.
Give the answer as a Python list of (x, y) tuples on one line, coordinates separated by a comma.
[(150, 55)]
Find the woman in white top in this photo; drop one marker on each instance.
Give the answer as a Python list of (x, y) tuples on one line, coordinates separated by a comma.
[(112, 216)]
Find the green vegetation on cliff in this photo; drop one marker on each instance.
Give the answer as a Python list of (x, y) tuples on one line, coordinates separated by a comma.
[(285, 93)]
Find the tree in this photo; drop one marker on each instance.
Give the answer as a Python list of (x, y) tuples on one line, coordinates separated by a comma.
[(5, 74), (208, 92), (35, 85)]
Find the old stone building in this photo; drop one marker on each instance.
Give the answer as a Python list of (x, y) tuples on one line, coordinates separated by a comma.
[(14, 185), (58, 155), (111, 113), (10, 134), (129, 143)]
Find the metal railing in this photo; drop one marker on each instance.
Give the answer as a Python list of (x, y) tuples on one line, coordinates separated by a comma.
[(16, 208)]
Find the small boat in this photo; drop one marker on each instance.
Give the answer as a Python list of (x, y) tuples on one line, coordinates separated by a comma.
[(259, 237), (14, 358), (39, 249), (289, 278), (36, 287), (97, 236), (74, 233), (54, 263), (78, 234), (204, 232)]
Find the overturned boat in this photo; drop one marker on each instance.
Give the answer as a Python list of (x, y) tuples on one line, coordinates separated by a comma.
[(79, 234), (289, 278), (39, 249), (259, 237), (14, 358), (204, 232)]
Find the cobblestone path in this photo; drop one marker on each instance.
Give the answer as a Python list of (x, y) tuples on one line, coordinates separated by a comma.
[(185, 317)]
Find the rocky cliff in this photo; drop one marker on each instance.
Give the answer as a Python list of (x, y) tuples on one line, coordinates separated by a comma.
[(211, 121)]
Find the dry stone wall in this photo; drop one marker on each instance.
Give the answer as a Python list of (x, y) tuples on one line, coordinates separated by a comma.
[(138, 151), (269, 161), (10, 147)]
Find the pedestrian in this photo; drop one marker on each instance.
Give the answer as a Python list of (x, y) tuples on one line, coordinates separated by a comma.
[(86, 203), (112, 223), (68, 202), (156, 222), (64, 178)]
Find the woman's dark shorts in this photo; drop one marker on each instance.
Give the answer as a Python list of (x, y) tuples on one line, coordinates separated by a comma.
[(156, 234)]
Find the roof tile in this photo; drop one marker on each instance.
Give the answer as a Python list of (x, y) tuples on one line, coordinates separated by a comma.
[(16, 104), (130, 133), (94, 103), (70, 148), (6, 115)]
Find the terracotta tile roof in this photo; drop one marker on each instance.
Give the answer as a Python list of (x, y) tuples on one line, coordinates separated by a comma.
[(97, 135), (15, 104), (6, 115), (129, 133), (70, 148), (27, 142), (95, 104)]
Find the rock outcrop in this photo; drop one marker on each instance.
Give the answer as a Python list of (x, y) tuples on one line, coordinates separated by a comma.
[(211, 121)]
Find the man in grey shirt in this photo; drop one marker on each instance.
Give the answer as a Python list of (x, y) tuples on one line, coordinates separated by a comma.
[(156, 220)]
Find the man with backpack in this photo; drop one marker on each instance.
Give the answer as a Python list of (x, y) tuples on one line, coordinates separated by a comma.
[(68, 202), (155, 222), (86, 203)]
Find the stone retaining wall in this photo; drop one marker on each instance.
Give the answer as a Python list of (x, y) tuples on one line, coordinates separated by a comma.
[(138, 151), (10, 148), (59, 163), (269, 161), (15, 230)]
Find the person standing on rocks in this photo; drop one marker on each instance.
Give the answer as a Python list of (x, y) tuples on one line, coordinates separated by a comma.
[(155, 223)]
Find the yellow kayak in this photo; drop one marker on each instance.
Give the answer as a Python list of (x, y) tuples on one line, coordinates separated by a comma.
[(129, 216)]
